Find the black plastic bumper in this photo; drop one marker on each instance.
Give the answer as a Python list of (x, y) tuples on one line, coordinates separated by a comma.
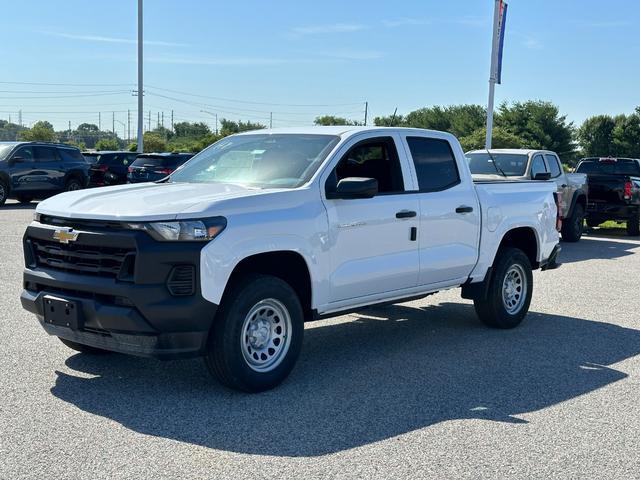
[(611, 211), (138, 315)]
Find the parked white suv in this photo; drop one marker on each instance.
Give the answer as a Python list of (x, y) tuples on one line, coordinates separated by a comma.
[(262, 231)]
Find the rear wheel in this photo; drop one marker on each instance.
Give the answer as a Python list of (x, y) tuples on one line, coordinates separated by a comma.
[(633, 225), (72, 185), (572, 229), (509, 293), (257, 334), (79, 347)]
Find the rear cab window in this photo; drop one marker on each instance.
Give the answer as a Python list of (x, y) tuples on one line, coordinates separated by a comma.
[(434, 162), (608, 166)]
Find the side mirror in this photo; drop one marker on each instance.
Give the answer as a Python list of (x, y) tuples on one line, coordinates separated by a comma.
[(355, 187), (16, 159), (542, 176)]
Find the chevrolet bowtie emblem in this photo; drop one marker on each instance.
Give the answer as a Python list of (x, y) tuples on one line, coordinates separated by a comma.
[(65, 236)]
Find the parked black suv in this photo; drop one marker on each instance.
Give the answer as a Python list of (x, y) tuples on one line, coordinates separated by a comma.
[(30, 170), (614, 191), (108, 168), (150, 167)]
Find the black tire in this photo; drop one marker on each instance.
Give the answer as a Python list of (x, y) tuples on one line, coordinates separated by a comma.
[(492, 310), (72, 184), (24, 199), (573, 228), (633, 225), (230, 344), (79, 347), (4, 192), (593, 222)]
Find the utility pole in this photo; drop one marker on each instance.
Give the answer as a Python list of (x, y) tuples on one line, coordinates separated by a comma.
[(158, 121), (69, 129), (172, 120), (99, 122), (113, 123), (162, 121), (128, 125), (366, 112), (270, 119), (149, 122), (20, 117), (213, 115), (140, 85)]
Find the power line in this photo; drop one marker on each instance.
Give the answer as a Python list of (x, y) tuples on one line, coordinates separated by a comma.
[(255, 103), (70, 84)]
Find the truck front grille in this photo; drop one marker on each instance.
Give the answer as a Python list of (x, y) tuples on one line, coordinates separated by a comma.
[(112, 262)]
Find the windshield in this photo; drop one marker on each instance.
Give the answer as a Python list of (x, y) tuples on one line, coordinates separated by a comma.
[(513, 165), (4, 150), (611, 167), (259, 160)]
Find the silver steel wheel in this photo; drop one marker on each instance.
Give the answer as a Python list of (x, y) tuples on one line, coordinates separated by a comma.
[(266, 335), (514, 289)]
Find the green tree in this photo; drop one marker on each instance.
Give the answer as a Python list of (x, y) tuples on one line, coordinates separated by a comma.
[(41, 131), (152, 142), (540, 125), (107, 144), (229, 127), (390, 121), (188, 129), (626, 136), (9, 131), (500, 139), (328, 120), (595, 135)]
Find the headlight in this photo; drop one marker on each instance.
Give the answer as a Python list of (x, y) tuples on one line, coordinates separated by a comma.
[(183, 230)]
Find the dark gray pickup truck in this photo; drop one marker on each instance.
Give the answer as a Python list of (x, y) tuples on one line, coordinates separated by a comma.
[(614, 191)]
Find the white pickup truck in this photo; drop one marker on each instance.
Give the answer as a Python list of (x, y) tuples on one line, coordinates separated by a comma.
[(229, 256)]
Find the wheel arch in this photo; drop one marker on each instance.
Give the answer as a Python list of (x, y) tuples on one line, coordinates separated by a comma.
[(579, 198), (288, 265), (523, 238)]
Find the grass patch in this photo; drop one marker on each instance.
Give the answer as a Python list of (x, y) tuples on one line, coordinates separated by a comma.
[(612, 224)]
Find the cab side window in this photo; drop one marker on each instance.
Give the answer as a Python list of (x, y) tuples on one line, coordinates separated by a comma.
[(46, 154), (372, 158), (435, 163), (554, 166), (537, 165), (26, 153)]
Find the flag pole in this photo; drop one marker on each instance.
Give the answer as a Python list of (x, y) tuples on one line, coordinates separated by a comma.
[(496, 60)]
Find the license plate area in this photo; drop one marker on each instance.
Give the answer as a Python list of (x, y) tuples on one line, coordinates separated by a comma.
[(61, 312)]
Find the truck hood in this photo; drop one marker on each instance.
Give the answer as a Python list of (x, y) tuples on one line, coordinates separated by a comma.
[(145, 201)]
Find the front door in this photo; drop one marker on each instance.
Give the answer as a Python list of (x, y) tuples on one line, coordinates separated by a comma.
[(373, 249)]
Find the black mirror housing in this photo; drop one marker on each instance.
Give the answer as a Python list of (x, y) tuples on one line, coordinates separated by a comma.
[(542, 176), (355, 187)]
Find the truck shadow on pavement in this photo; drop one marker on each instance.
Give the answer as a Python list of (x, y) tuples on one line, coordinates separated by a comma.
[(389, 371), (590, 248)]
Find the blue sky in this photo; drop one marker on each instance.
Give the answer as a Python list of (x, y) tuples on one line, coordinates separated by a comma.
[(259, 57)]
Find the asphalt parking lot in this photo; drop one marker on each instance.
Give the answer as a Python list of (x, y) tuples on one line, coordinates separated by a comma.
[(417, 390)]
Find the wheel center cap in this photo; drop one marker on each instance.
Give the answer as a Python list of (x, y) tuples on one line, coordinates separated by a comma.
[(259, 334)]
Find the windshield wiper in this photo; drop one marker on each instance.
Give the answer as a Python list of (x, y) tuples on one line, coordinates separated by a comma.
[(495, 164)]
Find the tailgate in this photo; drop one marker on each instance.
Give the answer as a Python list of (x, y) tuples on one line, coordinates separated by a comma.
[(606, 188)]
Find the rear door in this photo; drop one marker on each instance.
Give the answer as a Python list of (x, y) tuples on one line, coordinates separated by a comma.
[(449, 231), (50, 168), (373, 253)]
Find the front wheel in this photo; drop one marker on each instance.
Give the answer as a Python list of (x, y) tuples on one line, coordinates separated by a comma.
[(257, 334), (24, 199), (509, 293), (4, 192), (574, 226)]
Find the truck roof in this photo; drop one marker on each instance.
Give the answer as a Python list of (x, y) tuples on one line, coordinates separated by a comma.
[(340, 130), (512, 151)]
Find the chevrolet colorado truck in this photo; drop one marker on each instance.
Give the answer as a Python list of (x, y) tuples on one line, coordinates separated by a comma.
[(228, 256), (538, 164), (614, 184)]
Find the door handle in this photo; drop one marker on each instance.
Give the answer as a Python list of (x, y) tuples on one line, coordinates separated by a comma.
[(406, 214), (464, 209)]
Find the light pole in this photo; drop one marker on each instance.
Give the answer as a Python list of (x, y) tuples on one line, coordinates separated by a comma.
[(213, 115), (140, 86)]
